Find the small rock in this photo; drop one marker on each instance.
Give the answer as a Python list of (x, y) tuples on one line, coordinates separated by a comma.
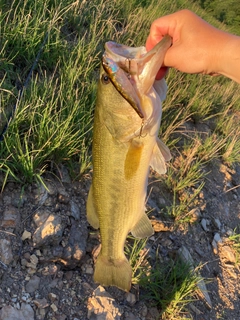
[(33, 284), (54, 307), (26, 235), (75, 211), (26, 297), (215, 247), (217, 223), (131, 298), (204, 224), (216, 241), (185, 255), (42, 195), (52, 296), (89, 270), (228, 254), (31, 266), (50, 232), (102, 306), (229, 232), (65, 177), (38, 253), (6, 255), (34, 259), (41, 303), (217, 238)]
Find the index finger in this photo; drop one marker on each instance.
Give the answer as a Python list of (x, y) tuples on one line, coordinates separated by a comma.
[(157, 31)]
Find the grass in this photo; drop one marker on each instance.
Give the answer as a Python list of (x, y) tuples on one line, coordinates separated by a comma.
[(235, 239), (171, 286), (54, 101), (137, 252)]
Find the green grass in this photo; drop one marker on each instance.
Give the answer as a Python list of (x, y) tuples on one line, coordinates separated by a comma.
[(235, 239), (53, 120), (136, 251), (171, 286)]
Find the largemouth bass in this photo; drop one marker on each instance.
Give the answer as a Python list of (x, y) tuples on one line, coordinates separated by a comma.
[(125, 144)]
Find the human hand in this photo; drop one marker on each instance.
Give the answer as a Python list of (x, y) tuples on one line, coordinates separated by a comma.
[(197, 47)]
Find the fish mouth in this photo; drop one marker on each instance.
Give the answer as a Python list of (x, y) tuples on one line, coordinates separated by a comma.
[(122, 82), (133, 70)]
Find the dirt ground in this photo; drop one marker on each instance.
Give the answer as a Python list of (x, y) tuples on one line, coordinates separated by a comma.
[(46, 251)]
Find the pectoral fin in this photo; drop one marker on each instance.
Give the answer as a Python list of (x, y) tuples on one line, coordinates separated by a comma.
[(92, 216), (164, 150), (160, 154), (143, 228)]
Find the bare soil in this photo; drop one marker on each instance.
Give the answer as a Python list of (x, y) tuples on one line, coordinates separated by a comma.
[(54, 276)]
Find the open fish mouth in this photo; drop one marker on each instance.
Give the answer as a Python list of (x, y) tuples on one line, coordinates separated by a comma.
[(133, 70)]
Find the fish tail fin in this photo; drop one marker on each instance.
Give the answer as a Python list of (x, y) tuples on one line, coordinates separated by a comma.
[(117, 272)]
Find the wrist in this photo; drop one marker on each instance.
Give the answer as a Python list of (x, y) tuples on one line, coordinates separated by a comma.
[(229, 62)]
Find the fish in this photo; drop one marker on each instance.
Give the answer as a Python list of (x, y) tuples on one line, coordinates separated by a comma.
[(125, 144)]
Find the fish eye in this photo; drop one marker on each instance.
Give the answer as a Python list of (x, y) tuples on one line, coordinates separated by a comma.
[(105, 79)]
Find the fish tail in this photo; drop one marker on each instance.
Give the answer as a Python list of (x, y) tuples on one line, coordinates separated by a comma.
[(116, 272)]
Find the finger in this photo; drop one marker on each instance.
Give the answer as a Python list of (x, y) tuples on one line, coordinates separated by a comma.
[(152, 40)]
